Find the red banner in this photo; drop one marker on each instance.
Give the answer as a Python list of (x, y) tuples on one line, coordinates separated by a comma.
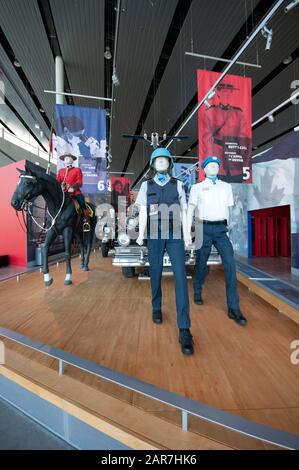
[(120, 186), (224, 125)]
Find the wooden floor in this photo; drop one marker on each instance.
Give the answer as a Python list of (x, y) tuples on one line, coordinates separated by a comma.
[(107, 319)]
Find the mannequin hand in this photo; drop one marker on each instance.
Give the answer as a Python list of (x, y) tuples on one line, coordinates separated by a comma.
[(71, 190), (187, 241), (139, 241)]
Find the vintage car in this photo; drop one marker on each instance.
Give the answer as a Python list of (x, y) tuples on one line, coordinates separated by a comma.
[(106, 231), (129, 255)]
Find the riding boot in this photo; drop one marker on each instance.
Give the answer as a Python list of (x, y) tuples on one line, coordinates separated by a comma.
[(86, 221)]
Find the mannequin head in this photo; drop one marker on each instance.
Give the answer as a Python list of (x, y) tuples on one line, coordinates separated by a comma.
[(161, 160), (211, 169), (211, 165), (161, 164), (68, 159)]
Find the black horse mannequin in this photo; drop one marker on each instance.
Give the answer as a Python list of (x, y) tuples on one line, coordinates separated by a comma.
[(62, 218)]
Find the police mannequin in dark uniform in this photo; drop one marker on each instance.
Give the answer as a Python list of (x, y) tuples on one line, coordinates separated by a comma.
[(164, 232)]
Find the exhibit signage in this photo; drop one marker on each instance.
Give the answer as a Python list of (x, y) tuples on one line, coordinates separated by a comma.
[(81, 131), (224, 125)]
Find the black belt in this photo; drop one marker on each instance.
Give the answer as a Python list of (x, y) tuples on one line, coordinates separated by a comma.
[(215, 222)]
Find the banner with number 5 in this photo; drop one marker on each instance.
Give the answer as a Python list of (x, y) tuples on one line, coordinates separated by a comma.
[(81, 131), (224, 125)]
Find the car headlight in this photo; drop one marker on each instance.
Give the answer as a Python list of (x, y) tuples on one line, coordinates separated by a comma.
[(131, 221), (107, 229), (123, 239)]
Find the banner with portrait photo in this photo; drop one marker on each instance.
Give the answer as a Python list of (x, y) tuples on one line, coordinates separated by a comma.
[(224, 125), (120, 188), (186, 173), (81, 131)]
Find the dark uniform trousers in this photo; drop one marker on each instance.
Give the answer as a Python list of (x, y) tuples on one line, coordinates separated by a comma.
[(217, 235), (176, 251), (174, 245)]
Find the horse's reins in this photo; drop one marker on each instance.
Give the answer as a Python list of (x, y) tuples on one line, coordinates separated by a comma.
[(24, 222)]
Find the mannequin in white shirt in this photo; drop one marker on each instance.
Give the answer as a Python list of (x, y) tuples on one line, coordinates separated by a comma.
[(213, 198), (211, 171)]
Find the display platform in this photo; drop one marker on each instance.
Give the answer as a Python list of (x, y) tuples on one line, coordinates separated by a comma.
[(278, 267), (9, 272), (106, 319)]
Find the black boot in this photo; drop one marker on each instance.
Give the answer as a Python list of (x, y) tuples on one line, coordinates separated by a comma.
[(185, 338), (157, 316), (236, 315), (197, 298)]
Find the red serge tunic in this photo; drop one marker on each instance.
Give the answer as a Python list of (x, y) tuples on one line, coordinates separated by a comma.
[(70, 176)]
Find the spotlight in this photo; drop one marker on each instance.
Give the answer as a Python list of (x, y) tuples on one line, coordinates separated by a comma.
[(41, 134), (288, 60), (291, 5), (17, 64), (207, 104), (271, 118), (115, 79), (41, 110), (107, 53), (296, 129), (37, 126), (268, 34)]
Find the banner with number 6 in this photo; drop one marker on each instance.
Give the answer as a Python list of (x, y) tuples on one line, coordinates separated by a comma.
[(81, 131)]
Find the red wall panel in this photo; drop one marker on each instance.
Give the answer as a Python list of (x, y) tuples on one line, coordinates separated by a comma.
[(12, 238), (271, 231)]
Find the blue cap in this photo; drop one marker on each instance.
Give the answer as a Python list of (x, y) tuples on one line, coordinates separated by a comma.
[(210, 159), (160, 152)]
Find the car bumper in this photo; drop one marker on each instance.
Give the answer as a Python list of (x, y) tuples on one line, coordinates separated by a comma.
[(136, 256)]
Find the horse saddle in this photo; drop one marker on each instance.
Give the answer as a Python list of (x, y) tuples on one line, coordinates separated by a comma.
[(86, 214), (79, 210)]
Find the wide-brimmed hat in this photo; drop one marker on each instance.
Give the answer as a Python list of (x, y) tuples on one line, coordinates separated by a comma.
[(62, 157)]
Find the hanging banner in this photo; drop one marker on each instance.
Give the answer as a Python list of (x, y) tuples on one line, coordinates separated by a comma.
[(81, 131), (186, 173), (120, 187), (224, 125)]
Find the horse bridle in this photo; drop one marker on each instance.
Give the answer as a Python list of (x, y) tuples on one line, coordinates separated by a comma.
[(26, 201)]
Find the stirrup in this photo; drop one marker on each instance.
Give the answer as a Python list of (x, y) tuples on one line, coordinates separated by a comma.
[(86, 226)]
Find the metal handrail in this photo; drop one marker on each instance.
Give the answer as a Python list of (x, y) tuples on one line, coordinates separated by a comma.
[(187, 406)]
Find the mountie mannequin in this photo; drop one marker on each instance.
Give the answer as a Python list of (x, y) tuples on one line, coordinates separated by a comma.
[(154, 196), (71, 180), (212, 198)]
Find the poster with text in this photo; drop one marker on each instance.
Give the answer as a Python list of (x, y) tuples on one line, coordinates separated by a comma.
[(81, 131), (224, 125)]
